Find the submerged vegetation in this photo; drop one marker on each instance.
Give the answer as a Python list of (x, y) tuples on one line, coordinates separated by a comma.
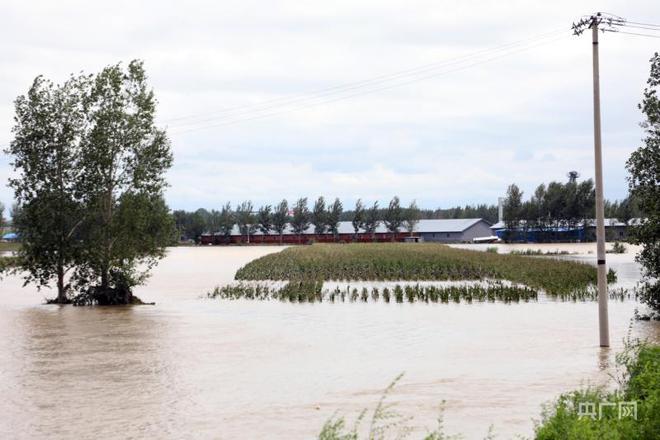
[(313, 291), (302, 291), (417, 262), (538, 252), (384, 422), (617, 248)]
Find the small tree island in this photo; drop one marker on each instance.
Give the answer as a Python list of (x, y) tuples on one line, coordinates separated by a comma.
[(90, 174)]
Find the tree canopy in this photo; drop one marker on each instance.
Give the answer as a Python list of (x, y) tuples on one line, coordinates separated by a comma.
[(644, 169), (90, 166)]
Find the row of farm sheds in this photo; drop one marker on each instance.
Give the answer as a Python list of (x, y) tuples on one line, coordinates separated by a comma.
[(441, 230)]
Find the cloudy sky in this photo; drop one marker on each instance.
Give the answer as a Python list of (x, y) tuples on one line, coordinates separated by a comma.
[(446, 102)]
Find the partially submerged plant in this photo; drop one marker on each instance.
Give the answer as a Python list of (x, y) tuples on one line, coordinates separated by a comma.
[(385, 423)]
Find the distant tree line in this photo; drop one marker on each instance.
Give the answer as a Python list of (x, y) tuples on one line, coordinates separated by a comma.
[(484, 211), (324, 217), (559, 205)]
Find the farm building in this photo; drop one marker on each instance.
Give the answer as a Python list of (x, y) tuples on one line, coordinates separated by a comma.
[(614, 230), (444, 231)]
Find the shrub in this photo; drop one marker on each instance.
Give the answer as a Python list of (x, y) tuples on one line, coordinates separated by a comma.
[(641, 384), (617, 248)]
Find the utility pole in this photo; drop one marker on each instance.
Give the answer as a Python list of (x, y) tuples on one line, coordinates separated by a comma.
[(603, 321)]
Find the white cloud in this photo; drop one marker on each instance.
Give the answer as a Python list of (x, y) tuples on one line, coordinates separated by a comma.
[(455, 138)]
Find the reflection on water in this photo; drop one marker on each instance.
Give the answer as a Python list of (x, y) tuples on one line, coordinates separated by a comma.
[(196, 368)]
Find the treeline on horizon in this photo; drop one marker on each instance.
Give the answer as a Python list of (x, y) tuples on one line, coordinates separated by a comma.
[(553, 204), (570, 204), (269, 219)]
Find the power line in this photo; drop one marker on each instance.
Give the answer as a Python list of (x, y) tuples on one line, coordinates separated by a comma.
[(357, 84), (641, 27), (404, 81), (643, 24), (616, 31)]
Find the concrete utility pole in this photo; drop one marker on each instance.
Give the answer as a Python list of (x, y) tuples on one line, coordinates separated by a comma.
[(603, 321)]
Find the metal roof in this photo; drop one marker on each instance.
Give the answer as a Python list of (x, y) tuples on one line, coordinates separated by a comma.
[(424, 226)]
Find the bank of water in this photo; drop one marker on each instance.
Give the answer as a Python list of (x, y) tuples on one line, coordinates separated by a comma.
[(198, 368)]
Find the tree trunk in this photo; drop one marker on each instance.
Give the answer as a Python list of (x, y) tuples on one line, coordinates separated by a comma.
[(104, 279), (61, 292)]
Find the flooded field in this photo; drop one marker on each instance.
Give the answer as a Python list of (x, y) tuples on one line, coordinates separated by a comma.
[(197, 368)]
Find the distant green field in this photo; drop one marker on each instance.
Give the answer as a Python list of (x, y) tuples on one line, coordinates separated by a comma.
[(6, 247), (416, 262)]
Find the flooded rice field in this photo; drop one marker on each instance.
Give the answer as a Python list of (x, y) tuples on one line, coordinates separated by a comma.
[(191, 367)]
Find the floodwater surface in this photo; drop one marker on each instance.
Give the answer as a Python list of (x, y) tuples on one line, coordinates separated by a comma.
[(194, 368)]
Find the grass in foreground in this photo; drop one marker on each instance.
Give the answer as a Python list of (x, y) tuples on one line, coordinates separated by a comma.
[(417, 262), (564, 419)]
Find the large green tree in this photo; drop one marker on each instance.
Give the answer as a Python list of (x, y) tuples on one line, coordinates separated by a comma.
[(301, 218), (512, 209), (46, 152), (318, 216), (332, 217), (411, 217), (644, 168), (245, 219), (394, 216), (2, 215), (281, 218), (358, 216), (227, 221), (122, 165), (265, 219), (372, 220)]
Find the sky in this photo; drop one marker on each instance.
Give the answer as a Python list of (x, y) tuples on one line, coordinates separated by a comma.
[(443, 102)]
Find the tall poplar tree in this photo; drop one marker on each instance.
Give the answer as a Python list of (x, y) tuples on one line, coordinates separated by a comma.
[(412, 215), (372, 220), (265, 219), (318, 216), (394, 216), (281, 218), (245, 219), (123, 161), (227, 221), (301, 218), (644, 168), (358, 217), (46, 152), (332, 216), (513, 209)]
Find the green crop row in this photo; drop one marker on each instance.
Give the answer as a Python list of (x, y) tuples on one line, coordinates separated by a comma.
[(417, 262), (313, 291)]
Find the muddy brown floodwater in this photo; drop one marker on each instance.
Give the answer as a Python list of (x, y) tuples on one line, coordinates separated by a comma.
[(198, 368)]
